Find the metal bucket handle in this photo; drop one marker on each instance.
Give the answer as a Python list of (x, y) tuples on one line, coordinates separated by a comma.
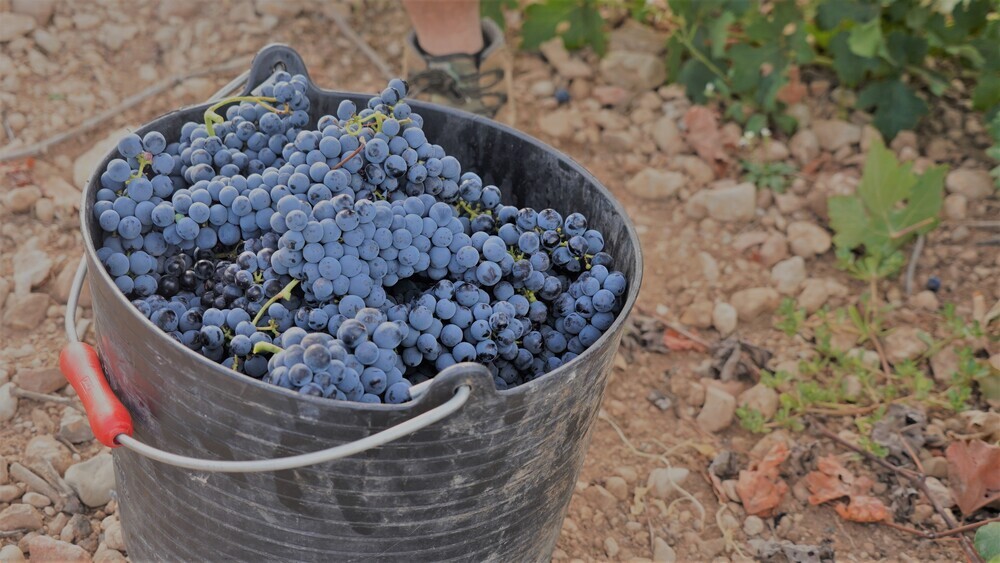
[(111, 421)]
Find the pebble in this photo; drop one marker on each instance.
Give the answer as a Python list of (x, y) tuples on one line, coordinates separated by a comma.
[(20, 517), (44, 548), (9, 492), (753, 526), (601, 498), (905, 343), (610, 95), (804, 146), (956, 207), (11, 554), (27, 312), (788, 275), (725, 204), (655, 184), (106, 555), (752, 302), (45, 210), (695, 168), (44, 380), (814, 295), (16, 25), (660, 479), (724, 318), (834, 134), (773, 250), (36, 500), (63, 194), (634, 36), (698, 314), (944, 364), (663, 552), (93, 480), (973, 184), (47, 42), (808, 239), (926, 300), (617, 487), (667, 136), (8, 402), (113, 533), (939, 492), (610, 547), (74, 427), (558, 123), (46, 447), (627, 472), (41, 10), (936, 466), (77, 528), (20, 200), (634, 71), (543, 88), (33, 268), (761, 398), (4, 475), (717, 413), (64, 281)]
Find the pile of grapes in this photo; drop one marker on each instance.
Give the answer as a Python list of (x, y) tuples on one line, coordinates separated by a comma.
[(348, 261)]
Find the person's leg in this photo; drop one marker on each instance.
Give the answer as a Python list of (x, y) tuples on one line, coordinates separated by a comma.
[(446, 27)]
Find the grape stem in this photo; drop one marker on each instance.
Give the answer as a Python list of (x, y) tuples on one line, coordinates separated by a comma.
[(353, 154), (145, 159), (285, 293), (212, 118), (262, 347)]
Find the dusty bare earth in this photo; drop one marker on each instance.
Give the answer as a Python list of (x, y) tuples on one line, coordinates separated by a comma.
[(703, 253)]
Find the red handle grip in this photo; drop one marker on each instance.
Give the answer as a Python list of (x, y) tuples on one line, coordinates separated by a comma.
[(108, 417)]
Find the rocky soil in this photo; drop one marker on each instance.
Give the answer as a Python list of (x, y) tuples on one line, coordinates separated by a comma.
[(720, 253)]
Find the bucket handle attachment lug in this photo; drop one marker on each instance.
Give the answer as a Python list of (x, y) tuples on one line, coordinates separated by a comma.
[(112, 423)]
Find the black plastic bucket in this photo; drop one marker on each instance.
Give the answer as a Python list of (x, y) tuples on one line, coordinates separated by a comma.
[(490, 482)]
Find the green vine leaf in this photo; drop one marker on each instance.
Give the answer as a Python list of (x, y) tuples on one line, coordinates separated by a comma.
[(581, 19), (866, 39), (988, 542), (494, 9), (896, 107), (850, 68)]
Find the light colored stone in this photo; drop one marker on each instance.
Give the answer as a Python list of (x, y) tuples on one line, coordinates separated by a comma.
[(64, 281), (940, 492), (905, 343), (13, 26), (8, 402), (611, 547), (600, 498), (773, 250), (610, 95), (62, 193), (698, 314), (753, 526), (956, 207), (807, 239), (113, 533), (47, 42), (973, 184), (926, 300), (634, 36), (936, 467), (834, 134), (44, 380), (662, 552), (724, 318), (41, 10), (26, 313), (804, 146), (105, 554), (717, 413), (633, 71), (695, 168), (944, 364), (761, 398), (33, 268), (752, 302), (44, 548), (725, 204), (814, 295), (20, 200), (86, 164), (8, 493), (74, 427), (651, 183), (46, 447), (709, 267), (20, 517), (11, 554), (788, 275), (668, 137), (543, 88), (35, 499), (617, 487), (93, 480), (558, 123), (660, 479)]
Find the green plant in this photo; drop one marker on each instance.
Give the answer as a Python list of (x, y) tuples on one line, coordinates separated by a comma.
[(790, 317), (994, 151), (752, 419), (772, 175), (577, 22), (892, 206), (988, 542)]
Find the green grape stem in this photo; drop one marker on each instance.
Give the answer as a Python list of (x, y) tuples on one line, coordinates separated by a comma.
[(266, 347), (212, 118), (285, 293)]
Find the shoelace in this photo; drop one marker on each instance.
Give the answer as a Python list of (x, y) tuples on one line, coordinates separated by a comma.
[(460, 88)]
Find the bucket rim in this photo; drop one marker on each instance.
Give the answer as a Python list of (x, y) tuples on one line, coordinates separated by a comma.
[(192, 113)]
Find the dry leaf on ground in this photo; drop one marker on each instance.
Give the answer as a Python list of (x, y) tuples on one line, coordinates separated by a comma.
[(794, 90), (704, 135), (760, 487), (974, 474), (832, 481)]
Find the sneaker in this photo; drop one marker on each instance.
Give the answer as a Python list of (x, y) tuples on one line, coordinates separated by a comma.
[(479, 83)]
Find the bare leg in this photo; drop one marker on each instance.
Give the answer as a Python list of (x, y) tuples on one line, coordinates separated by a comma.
[(446, 27)]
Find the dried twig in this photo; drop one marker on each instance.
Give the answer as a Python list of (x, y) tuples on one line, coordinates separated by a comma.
[(40, 147), (42, 397), (64, 501), (688, 334), (918, 479), (911, 268), (362, 45)]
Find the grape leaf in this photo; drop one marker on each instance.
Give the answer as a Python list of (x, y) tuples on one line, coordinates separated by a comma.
[(866, 39), (892, 205), (718, 29), (988, 542), (895, 105), (987, 92), (543, 21), (831, 14), (494, 9), (849, 67)]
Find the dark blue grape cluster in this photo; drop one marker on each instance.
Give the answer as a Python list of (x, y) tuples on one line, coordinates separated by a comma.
[(347, 260)]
